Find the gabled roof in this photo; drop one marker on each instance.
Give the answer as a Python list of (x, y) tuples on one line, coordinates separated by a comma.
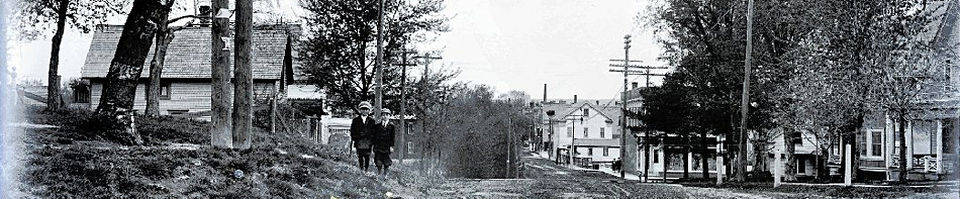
[(188, 55), (583, 104)]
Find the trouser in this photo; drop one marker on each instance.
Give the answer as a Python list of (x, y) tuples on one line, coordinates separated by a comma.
[(382, 160), (363, 158)]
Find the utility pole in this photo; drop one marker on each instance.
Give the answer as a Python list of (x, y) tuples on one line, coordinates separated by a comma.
[(379, 67), (510, 151), (623, 107), (426, 72), (221, 135), (573, 139), (403, 104), (424, 84), (741, 164), (628, 156), (243, 76)]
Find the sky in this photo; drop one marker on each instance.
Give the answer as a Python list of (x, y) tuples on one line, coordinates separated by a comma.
[(507, 44)]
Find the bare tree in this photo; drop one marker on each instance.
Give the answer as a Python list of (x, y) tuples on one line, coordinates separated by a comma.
[(37, 17)]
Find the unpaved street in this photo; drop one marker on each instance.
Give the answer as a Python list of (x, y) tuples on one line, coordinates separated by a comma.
[(544, 179)]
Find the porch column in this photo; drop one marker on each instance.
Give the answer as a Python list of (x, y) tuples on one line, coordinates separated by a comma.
[(719, 157), (939, 146), (888, 143)]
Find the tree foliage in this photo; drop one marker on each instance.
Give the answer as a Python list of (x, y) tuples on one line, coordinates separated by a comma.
[(480, 132), (821, 67), (341, 40), (38, 18)]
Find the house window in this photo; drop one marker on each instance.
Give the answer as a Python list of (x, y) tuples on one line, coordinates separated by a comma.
[(177, 112), (948, 136), (606, 151), (586, 132), (601, 132), (590, 151), (586, 112), (799, 138), (801, 166), (656, 156), (81, 93), (876, 142), (569, 131), (165, 91)]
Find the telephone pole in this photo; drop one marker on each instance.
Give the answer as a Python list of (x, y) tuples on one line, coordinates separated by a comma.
[(741, 164), (424, 84), (628, 156), (379, 67), (403, 103)]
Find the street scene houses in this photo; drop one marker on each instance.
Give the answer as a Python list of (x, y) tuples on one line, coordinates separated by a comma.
[(432, 99)]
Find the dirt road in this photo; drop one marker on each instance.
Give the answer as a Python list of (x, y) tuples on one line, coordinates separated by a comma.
[(544, 179)]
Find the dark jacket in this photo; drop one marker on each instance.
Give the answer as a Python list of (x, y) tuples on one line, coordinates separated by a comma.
[(384, 138), (362, 132)]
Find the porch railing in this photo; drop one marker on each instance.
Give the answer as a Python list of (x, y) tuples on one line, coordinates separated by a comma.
[(924, 162)]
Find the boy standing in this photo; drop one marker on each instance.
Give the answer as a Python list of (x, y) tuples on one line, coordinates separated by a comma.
[(383, 143), (362, 130)]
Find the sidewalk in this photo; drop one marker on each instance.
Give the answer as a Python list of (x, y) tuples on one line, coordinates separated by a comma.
[(544, 155), (628, 176), (942, 183)]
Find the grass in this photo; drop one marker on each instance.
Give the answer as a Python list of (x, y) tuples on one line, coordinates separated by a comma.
[(73, 161)]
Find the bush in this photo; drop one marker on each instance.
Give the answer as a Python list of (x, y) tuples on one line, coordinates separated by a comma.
[(155, 130), (80, 124)]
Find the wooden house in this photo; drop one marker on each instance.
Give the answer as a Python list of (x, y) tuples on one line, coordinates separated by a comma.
[(185, 83)]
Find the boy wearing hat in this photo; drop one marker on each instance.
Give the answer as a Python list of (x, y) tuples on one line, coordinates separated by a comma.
[(362, 130), (383, 143)]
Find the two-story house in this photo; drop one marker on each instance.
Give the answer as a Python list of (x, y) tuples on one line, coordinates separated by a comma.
[(591, 131)]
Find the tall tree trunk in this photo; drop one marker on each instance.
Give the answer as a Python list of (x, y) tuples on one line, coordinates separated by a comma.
[(116, 105), (704, 156), (220, 74), (53, 79), (163, 39), (686, 156), (789, 139), (901, 134), (243, 78)]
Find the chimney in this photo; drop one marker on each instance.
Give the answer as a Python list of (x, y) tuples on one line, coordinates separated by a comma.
[(544, 92), (633, 85), (574, 99)]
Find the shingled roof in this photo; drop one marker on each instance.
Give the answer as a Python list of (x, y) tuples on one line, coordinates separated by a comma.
[(188, 55)]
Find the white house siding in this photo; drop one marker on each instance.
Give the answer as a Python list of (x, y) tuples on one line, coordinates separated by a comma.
[(568, 120), (193, 97)]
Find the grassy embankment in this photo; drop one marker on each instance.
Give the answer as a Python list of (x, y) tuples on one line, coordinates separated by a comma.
[(74, 161)]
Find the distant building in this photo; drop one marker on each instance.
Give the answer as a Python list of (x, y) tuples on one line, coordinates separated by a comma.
[(590, 129)]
